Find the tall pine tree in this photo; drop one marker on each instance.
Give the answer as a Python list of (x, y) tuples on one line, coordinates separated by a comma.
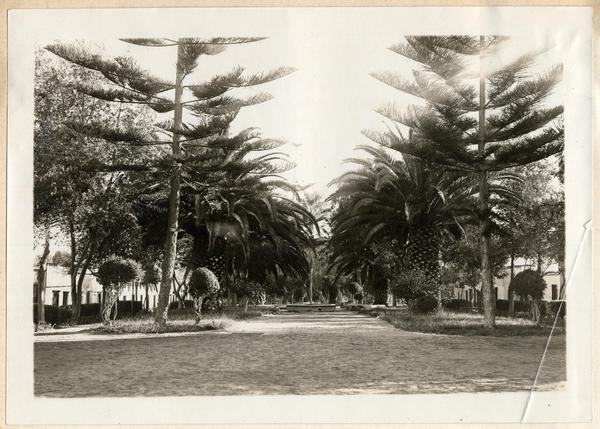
[(186, 146), (477, 122)]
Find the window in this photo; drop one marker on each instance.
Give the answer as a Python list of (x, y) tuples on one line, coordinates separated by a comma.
[(55, 296), (496, 292), (554, 292), (154, 301), (99, 298), (88, 297), (65, 299)]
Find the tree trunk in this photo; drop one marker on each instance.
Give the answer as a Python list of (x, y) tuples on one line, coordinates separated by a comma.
[(110, 297), (73, 269), (170, 249), (76, 299), (422, 251), (311, 281), (511, 293), (561, 272), (487, 286), (198, 308), (41, 283), (535, 311)]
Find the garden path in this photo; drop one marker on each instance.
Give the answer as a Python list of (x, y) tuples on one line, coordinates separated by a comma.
[(295, 353)]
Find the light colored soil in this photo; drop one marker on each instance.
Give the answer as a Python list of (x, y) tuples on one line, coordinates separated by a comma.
[(306, 353)]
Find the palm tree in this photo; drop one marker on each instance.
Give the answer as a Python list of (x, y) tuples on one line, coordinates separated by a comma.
[(406, 200), (246, 210), (402, 199)]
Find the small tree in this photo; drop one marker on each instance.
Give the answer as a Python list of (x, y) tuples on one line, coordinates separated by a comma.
[(249, 291), (530, 285), (113, 274), (202, 284)]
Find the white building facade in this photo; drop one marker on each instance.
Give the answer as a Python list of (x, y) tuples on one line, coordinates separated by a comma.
[(551, 276)]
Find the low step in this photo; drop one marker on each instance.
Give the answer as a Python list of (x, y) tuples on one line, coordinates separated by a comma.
[(303, 308)]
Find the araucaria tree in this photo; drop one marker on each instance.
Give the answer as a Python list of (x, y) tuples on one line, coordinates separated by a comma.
[(475, 116), (180, 150)]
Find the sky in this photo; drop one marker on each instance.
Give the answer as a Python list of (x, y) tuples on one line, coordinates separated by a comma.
[(320, 109)]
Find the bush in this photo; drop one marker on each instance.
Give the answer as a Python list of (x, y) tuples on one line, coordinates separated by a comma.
[(555, 305), (457, 304), (424, 304), (410, 284)]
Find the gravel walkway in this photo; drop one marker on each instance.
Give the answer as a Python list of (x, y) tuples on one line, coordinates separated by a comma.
[(293, 353)]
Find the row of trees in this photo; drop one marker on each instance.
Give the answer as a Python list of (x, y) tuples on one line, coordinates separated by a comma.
[(461, 181), (129, 164), (140, 167)]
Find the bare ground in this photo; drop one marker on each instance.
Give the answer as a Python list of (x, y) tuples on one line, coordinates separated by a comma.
[(309, 353)]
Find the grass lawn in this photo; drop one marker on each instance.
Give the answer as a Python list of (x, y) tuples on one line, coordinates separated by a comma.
[(179, 321), (304, 353), (469, 324), (137, 326)]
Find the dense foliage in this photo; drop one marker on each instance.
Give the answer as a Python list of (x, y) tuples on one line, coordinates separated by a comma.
[(528, 284), (203, 282)]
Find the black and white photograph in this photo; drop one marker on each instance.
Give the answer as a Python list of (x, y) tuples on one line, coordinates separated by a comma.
[(299, 215)]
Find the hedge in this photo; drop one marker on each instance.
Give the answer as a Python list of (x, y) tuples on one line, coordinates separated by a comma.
[(424, 304), (520, 306), (53, 315), (457, 304), (175, 304), (523, 307), (90, 313)]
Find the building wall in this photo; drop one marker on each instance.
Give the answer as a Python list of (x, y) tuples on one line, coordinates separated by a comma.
[(58, 289), (501, 284)]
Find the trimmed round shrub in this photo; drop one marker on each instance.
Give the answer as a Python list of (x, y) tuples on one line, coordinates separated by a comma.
[(203, 282), (425, 304), (113, 274), (118, 271), (528, 283)]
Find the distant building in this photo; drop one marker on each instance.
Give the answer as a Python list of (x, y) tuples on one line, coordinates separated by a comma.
[(551, 276), (58, 289)]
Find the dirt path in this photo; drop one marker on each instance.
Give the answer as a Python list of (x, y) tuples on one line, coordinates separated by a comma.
[(295, 353)]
